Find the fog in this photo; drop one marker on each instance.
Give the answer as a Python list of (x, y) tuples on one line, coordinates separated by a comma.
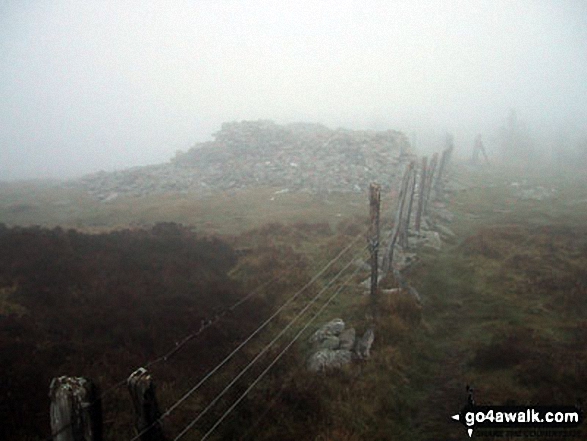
[(86, 86)]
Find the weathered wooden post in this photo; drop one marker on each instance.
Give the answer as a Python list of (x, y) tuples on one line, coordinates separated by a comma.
[(374, 205), (439, 175), (440, 180), (422, 193), (412, 193), (142, 392), (76, 410), (402, 228), (388, 256), (429, 179)]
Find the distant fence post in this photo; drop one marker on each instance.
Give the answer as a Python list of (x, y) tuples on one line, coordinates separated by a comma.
[(374, 206), (422, 193), (429, 179), (445, 163), (400, 225), (412, 192), (76, 410), (439, 175), (142, 392), (403, 225)]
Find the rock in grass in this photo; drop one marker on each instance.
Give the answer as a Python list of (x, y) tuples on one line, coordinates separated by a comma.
[(364, 344), (414, 293), (333, 327), (433, 240), (329, 359), (329, 342), (445, 231), (347, 339)]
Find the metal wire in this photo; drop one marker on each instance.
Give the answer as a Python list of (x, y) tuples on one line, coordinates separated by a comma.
[(276, 359), (244, 342)]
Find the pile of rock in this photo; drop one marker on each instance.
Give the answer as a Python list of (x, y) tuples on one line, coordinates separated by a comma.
[(527, 193), (333, 346), (306, 157)]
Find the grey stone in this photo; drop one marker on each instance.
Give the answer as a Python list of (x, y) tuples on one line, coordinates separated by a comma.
[(391, 291), (298, 157), (403, 259), (328, 342), (414, 293), (110, 197), (444, 215), (537, 193), (329, 359), (364, 344), (362, 264), (332, 328), (445, 230), (347, 339), (432, 240)]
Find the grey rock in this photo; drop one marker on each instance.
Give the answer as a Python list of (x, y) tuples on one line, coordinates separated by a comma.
[(364, 344), (403, 259), (329, 359), (110, 197), (444, 215), (366, 284), (362, 264), (299, 157), (414, 293), (445, 230), (432, 240), (424, 223), (537, 193), (347, 339), (332, 328), (329, 342), (391, 291), (408, 288)]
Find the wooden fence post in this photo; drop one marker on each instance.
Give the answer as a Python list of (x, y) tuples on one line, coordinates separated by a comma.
[(399, 224), (374, 205), (142, 392), (412, 193), (438, 183), (76, 410), (429, 179), (422, 193)]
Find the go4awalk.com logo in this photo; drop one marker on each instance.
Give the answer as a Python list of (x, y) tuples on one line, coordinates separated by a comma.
[(517, 417)]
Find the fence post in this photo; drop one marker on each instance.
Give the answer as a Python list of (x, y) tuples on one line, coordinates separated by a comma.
[(412, 192), (398, 221), (374, 205), (76, 410), (438, 182), (142, 392), (429, 180), (403, 215), (422, 191)]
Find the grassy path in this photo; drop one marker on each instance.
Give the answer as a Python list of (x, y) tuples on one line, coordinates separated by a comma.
[(503, 308)]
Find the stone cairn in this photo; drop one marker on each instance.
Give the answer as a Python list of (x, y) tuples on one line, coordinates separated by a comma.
[(292, 157), (333, 346)]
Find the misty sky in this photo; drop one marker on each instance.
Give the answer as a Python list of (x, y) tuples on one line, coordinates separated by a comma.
[(90, 85)]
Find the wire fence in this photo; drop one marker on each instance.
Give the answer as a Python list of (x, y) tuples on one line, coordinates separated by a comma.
[(408, 185), (268, 346), (208, 324)]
